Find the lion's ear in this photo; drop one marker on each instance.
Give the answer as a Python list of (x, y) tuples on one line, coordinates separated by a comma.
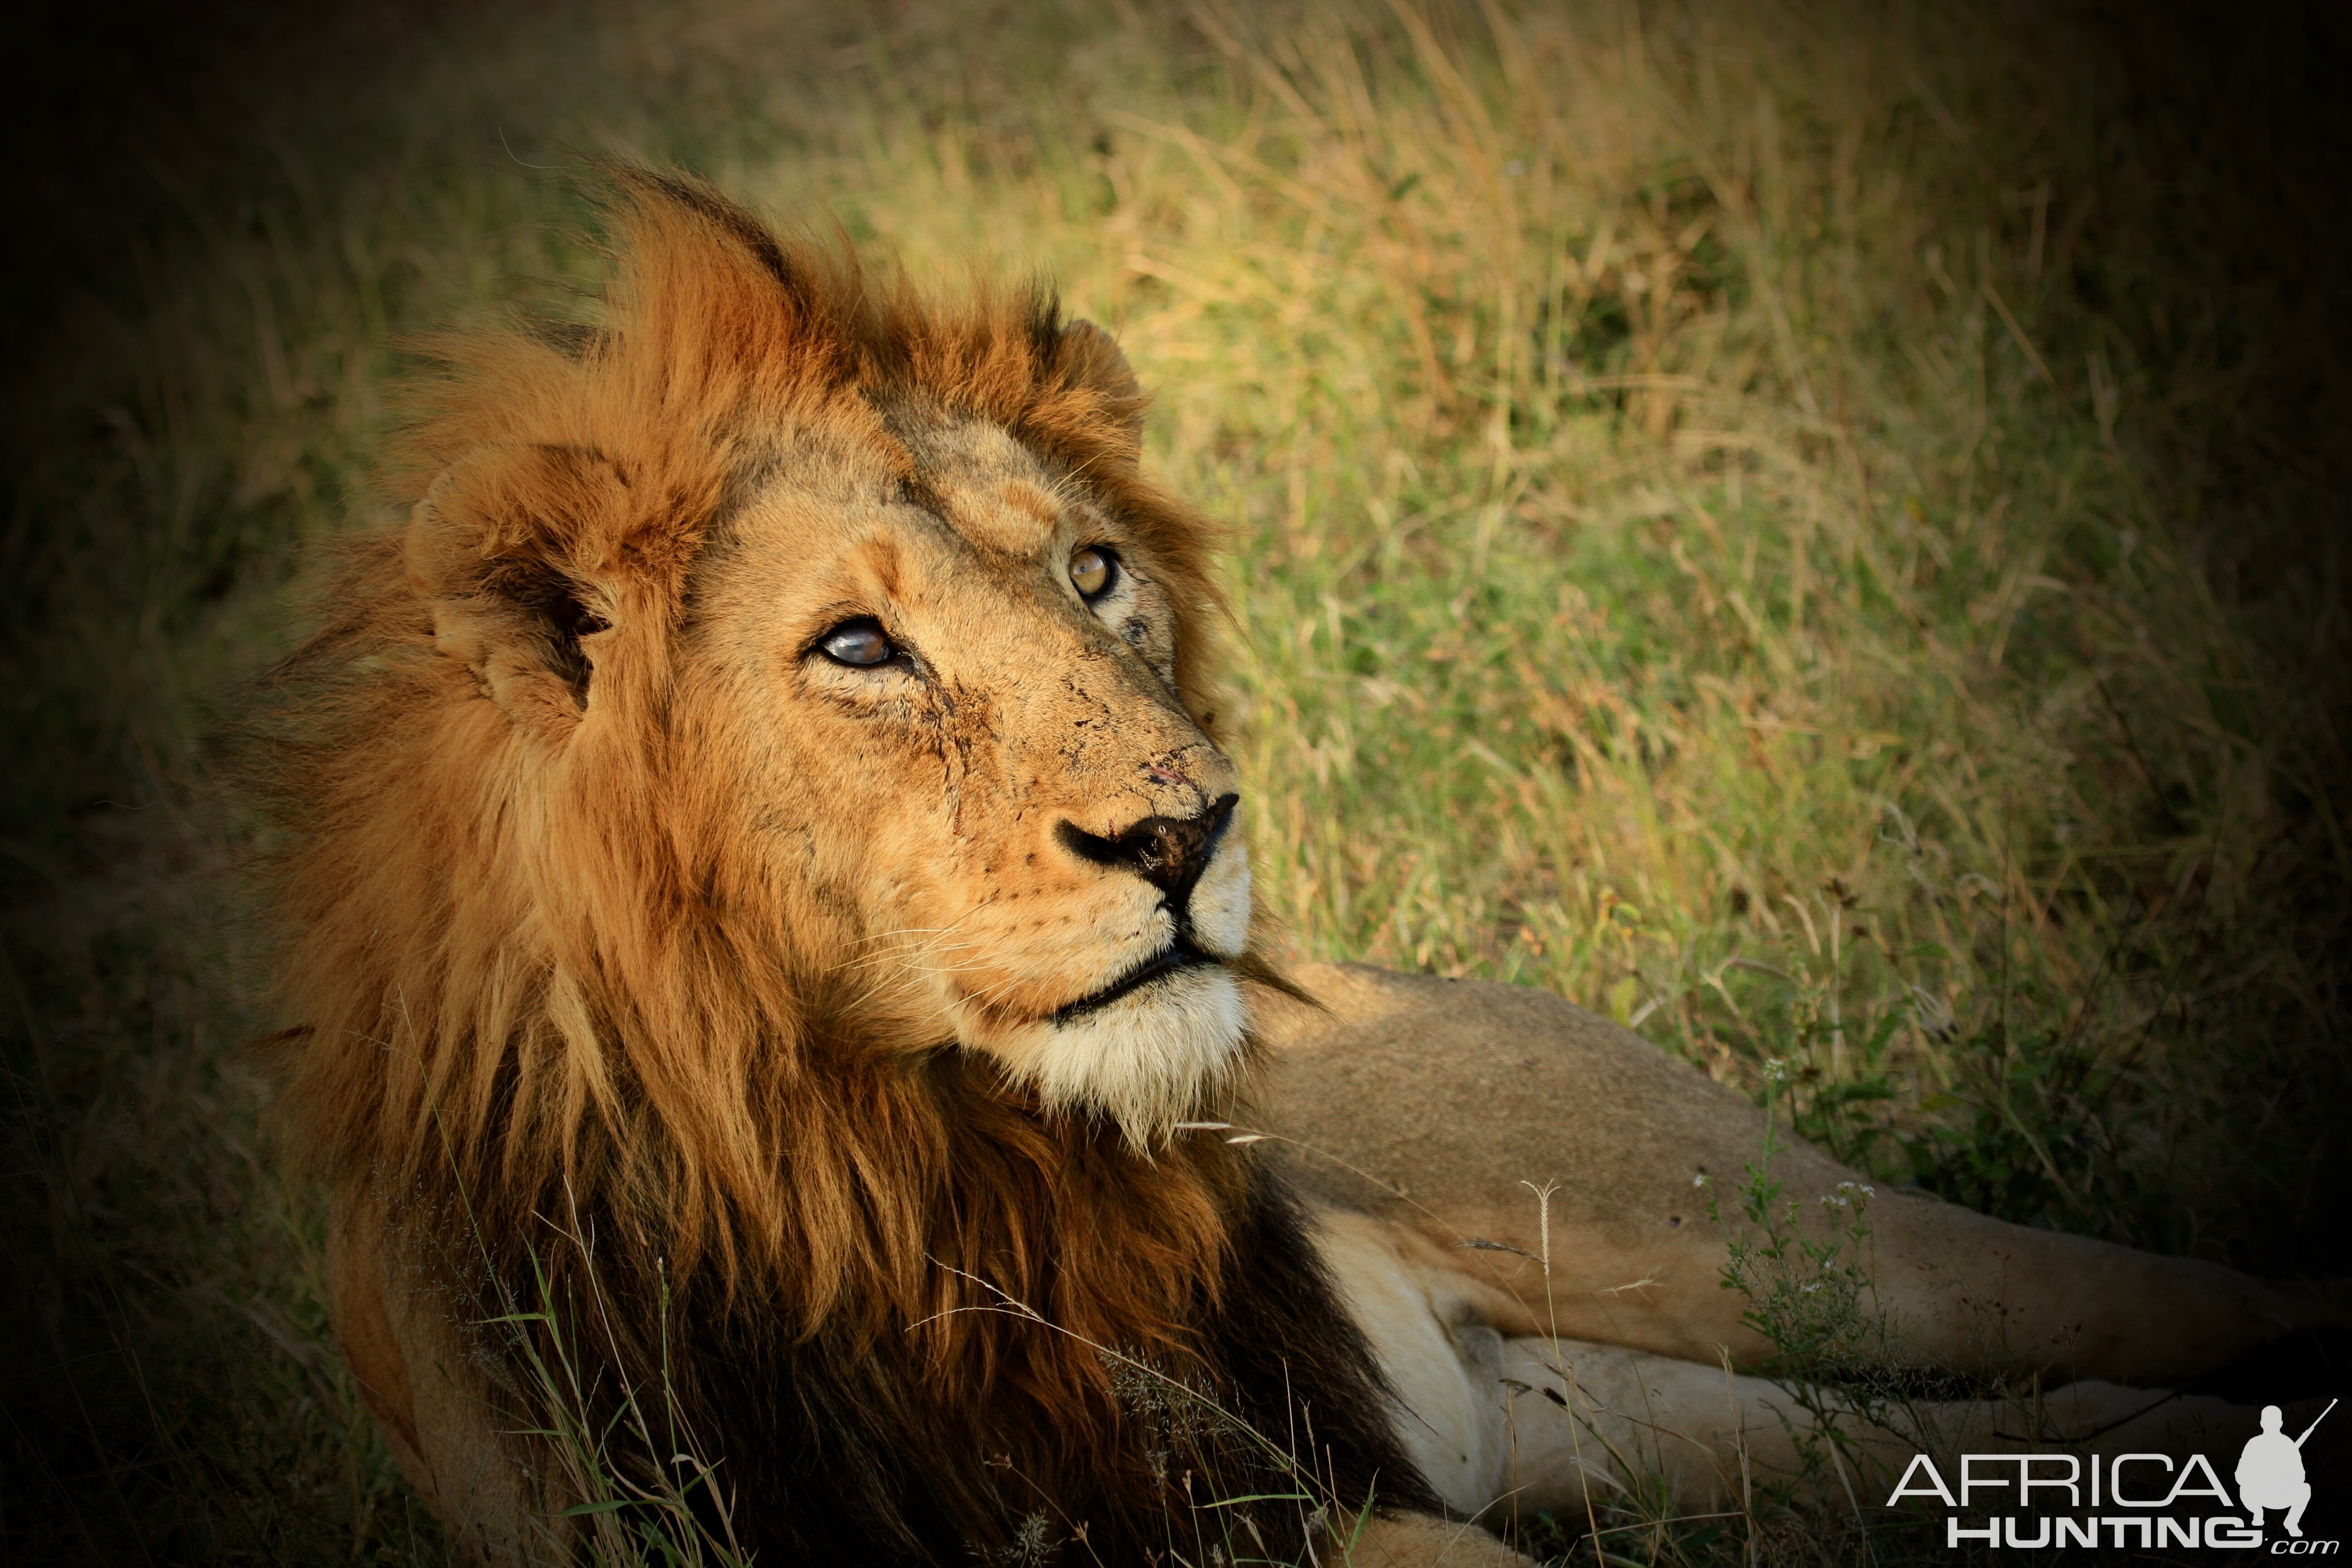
[(502, 551), (1090, 358)]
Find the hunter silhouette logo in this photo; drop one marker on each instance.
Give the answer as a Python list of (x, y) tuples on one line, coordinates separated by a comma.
[(2148, 1494), (2270, 1471)]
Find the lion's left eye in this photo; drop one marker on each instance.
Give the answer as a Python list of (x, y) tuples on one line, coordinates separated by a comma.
[(858, 644), (1093, 572)]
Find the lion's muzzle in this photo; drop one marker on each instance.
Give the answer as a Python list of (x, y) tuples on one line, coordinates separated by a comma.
[(1159, 1035)]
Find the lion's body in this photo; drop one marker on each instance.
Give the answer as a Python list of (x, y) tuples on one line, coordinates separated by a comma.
[(1460, 1091), (1422, 1118), (770, 970)]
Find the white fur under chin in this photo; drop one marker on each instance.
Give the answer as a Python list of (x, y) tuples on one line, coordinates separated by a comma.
[(1148, 1061)]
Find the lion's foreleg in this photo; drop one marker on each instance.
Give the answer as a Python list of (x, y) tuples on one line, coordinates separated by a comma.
[(1503, 1427), (1967, 1293), (1590, 1423), (411, 1363)]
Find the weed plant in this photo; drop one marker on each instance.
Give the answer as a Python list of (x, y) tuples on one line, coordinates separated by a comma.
[(1813, 531), (646, 1491)]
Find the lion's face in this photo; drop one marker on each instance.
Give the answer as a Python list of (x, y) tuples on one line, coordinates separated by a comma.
[(953, 734), (840, 633)]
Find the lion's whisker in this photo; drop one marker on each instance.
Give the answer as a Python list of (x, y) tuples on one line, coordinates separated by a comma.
[(907, 954)]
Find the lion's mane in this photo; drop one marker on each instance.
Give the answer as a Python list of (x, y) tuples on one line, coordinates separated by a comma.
[(549, 1018)]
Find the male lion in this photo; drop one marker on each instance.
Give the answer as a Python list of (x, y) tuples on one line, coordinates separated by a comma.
[(769, 932)]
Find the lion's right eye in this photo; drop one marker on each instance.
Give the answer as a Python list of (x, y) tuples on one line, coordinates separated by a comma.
[(1093, 570), (859, 643)]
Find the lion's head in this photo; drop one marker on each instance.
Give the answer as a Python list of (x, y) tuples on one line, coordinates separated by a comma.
[(922, 684), (882, 608), (781, 719), (785, 626)]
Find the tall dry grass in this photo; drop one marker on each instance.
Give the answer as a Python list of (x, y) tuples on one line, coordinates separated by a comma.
[(1799, 528)]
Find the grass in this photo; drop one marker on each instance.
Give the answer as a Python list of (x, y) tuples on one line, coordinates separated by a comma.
[(1809, 531)]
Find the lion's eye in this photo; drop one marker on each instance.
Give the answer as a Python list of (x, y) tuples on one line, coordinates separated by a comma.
[(859, 643), (1093, 570)]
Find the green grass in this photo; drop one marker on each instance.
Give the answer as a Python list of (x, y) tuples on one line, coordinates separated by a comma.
[(1811, 533)]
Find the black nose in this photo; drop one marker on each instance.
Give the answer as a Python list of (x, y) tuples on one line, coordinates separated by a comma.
[(1168, 852)]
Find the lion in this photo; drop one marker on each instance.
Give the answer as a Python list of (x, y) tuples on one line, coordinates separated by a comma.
[(769, 943)]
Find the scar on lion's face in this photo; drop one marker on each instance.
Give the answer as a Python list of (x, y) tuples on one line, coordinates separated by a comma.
[(1048, 865)]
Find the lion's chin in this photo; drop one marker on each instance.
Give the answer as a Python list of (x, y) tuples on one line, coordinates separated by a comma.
[(1154, 1058)]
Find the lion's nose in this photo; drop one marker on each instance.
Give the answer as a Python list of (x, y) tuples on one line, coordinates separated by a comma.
[(1168, 852)]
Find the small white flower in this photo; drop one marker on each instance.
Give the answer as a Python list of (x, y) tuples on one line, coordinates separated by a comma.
[(1699, 1180)]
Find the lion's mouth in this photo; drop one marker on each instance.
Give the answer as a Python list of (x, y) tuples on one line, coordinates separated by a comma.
[(1179, 954)]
